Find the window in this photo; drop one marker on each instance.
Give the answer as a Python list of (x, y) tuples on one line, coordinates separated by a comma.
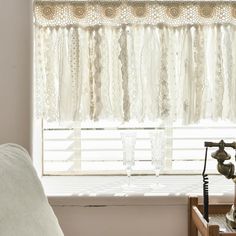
[(97, 148), (102, 68)]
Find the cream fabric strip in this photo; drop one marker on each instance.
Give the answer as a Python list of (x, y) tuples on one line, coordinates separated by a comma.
[(97, 74), (123, 57), (91, 73)]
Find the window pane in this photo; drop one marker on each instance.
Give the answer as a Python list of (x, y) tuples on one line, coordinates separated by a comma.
[(96, 148)]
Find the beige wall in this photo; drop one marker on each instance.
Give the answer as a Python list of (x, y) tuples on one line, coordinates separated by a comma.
[(15, 72), (123, 220)]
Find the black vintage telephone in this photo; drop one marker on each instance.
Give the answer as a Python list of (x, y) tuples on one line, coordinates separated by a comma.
[(225, 169)]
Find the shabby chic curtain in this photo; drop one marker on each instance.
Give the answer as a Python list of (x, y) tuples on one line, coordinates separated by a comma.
[(124, 60)]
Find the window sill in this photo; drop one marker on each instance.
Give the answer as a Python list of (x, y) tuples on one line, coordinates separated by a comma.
[(107, 190)]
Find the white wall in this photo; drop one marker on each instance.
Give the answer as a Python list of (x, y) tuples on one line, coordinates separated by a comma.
[(123, 220), (15, 72)]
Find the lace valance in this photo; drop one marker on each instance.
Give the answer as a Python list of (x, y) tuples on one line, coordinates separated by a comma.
[(115, 13), (123, 61)]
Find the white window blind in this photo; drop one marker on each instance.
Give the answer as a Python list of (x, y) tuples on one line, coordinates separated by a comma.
[(98, 150), (188, 146)]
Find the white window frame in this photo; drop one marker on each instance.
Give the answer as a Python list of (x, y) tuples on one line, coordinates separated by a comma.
[(38, 146)]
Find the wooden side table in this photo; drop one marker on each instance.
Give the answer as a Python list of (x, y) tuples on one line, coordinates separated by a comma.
[(217, 225)]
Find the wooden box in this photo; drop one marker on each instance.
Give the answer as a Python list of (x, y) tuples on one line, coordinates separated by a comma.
[(217, 224)]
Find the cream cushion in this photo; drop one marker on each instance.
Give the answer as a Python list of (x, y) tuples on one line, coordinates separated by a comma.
[(24, 208)]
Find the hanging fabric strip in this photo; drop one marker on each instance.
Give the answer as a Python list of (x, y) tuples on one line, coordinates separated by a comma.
[(164, 88), (124, 71), (219, 76), (91, 73), (198, 74), (97, 74), (74, 55)]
